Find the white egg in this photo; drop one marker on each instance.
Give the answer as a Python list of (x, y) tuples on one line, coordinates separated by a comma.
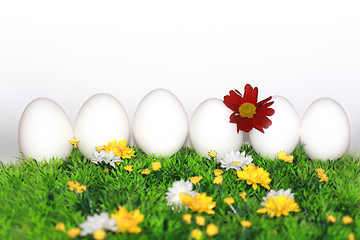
[(210, 129), (325, 130), (160, 124), (101, 119), (45, 131), (282, 135)]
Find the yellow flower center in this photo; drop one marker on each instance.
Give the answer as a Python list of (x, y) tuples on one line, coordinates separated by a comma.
[(247, 110), (73, 233), (99, 234)]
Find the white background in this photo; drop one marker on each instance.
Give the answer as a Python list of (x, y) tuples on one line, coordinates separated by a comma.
[(70, 50)]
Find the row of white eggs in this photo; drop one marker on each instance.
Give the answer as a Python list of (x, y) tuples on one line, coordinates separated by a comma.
[(160, 126)]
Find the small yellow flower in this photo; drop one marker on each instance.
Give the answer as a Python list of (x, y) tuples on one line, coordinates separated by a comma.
[(128, 221), (200, 203), (60, 227), (99, 148), (254, 176), (81, 189), (129, 168), (330, 219), (324, 178), (145, 171), (74, 142), (196, 234), (195, 179), (213, 154), (218, 180), (156, 166), (246, 224), (212, 230), (119, 149), (321, 174), (287, 158), (187, 218), (72, 185), (243, 196), (351, 236), (281, 205), (106, 170), (200, 220), (282, 155), (236, 162), (99, 235), (73, 233), (218, 172), (75, 185), (347, 220), (319, 171), (229, 200)]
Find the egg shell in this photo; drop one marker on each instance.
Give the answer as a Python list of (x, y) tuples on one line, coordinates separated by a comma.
[(44, 131), (101, 119), (282, 135), (210, 129), (325, 130), (160, 124)]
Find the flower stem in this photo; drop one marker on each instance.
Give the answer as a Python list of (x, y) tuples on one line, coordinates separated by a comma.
[(234, 211), (81, 202)]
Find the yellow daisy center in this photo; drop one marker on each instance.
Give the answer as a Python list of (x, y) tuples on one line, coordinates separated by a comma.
[(247, 110), (99, 234)]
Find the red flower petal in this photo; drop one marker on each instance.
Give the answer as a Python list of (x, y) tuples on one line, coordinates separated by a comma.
[(262, 122), (263, 101), (234, 100), (250, 94), (230, 104), (265, 111), (266, 105), (232, 116), (236, 96), (244, 124)]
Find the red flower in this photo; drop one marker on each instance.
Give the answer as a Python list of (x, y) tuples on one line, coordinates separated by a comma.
[(248, 113)]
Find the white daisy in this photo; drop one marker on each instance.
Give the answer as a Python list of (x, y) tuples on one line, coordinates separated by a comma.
[(98, 222), (103, 156), (276, 194), (235, 160), (173, 194)]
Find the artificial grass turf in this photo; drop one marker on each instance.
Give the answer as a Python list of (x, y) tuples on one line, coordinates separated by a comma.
[(34, 197)]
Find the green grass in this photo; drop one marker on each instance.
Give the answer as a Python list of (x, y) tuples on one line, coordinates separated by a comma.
[(34, 197)]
